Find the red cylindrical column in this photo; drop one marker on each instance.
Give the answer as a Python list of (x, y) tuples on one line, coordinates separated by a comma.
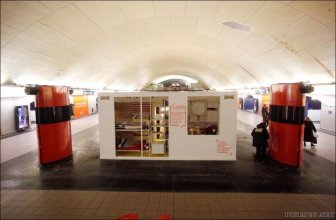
[(286, 119), (53, 123)]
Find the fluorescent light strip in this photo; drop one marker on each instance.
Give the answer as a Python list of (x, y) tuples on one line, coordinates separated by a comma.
[(168, 77)]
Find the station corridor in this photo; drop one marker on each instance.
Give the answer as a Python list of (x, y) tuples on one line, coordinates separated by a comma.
[(86, 187)]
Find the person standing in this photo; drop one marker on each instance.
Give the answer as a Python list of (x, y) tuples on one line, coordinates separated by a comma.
[(260, 141), (309, 132), (264, 113)]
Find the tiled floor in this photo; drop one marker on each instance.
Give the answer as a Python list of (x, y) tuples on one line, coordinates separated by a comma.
[(71, 204), (89, 188)]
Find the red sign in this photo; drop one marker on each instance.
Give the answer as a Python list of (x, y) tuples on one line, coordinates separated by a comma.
[(178, 115), (223, 147)]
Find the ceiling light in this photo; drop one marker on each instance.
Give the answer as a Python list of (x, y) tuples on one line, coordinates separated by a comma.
[(169, 77), (237, 26)]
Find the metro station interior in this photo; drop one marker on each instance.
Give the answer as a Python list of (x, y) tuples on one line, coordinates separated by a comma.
[(145, 109)]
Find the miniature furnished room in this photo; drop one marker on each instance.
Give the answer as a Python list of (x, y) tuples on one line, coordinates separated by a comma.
[(168, 125)]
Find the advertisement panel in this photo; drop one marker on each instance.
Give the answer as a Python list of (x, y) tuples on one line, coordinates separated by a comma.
[(265, 100), (80, 106)]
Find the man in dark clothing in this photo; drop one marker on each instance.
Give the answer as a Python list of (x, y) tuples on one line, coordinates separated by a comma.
[(264, 113), (309, 128), (260, 136)]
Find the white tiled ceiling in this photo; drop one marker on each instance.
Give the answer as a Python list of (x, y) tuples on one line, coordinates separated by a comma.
[(169, 8), (42, 39), (135, 10), (322, 11), (208, 28), (183, 24), (72, 23), (55, 5), (202, 9), (133, 30), (21, 14), (158, 26), (105, 14), (306, 33), (272, 17), (127, 44), (238, 11), (325, 54), (7, 33)]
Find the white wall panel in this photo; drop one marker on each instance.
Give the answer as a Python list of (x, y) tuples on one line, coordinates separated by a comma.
[(92, 103), (314, 115), (7, 112), (328, 118)]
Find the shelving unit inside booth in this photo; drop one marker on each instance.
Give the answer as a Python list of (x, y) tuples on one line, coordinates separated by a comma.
[(132, 130), (159, 127)]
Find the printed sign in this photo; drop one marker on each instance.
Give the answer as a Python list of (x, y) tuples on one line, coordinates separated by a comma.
[(105, 97), (178, 115), (88, 92), (223, 147), (228, 96)]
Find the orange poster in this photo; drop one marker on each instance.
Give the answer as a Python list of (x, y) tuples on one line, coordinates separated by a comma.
[(81, 106), (265, 100)]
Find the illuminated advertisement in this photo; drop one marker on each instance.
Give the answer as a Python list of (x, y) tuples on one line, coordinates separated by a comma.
[(81, 107)]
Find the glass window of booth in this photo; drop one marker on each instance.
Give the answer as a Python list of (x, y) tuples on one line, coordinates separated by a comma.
[(141, 126), (127, 126), (203, 115), (159, 126)]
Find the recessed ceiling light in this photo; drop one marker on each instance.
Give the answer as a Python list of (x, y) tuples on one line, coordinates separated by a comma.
[(237, 26)]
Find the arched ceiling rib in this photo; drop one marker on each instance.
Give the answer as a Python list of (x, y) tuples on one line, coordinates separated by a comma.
[(126, 44)]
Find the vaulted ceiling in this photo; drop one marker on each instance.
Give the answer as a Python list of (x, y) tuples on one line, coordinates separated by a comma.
[(127, 44)]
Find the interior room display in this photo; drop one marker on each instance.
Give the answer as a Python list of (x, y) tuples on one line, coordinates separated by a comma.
[(168, 125), (141, 126), (21, 117), (159, 118), (203, 115), (128, 126)]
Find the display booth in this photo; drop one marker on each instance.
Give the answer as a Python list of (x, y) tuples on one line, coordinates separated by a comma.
[(168, 125)]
